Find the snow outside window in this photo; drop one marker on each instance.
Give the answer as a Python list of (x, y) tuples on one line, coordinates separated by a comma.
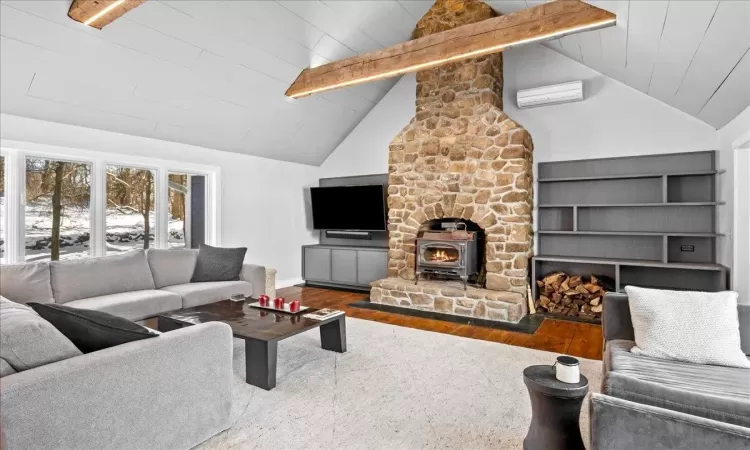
[(59, 203), (57, 211)]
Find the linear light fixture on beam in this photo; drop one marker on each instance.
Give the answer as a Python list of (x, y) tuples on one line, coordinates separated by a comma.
[(98, 13), (543, 22)]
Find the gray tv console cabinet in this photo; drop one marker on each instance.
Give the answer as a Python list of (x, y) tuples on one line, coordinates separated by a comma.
[(344, 266), (645, 220)]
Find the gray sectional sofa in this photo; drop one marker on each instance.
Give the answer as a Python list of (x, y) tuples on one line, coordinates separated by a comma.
[(656, 403), (170, 392), (134, 285)]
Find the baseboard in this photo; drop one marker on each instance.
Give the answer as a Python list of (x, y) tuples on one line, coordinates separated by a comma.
[(288, 283)]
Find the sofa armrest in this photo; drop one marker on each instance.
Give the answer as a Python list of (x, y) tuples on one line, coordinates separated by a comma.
[(255, 275), (743, 313), (616, 321), (172, 391), (620, 424)]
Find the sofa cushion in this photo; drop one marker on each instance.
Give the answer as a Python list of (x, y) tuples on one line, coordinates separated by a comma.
[(5, 368), (94, 277), (714, 392), (91, 330), (170, 267), (196, 294), (134, 305), (28, 341), (25, 283), (712, 336), (218, 264)]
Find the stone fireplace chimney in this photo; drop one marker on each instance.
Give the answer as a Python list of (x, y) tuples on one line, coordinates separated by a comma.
[(461, 157)]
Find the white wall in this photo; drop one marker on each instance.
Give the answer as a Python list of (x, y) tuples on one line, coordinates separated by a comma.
[(365, 150), (613, 120), (736, 132), (262, 200), (734, 141), (741, 276)]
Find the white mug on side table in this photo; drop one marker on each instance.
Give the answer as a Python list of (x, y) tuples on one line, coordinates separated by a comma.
[(567, 369)]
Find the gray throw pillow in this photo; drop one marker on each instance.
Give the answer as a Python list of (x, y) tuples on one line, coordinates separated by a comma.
[(5, 368), (91, 330), (94, 277), (28, 341), (171, 267), (23, 283), (218, 264)]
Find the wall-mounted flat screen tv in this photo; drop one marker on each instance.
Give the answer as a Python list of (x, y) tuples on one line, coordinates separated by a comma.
[(360, 208)]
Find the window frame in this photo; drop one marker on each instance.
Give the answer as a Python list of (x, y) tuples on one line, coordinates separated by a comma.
[(16, 152)]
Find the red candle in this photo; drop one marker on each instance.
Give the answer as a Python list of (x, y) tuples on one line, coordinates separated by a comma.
[(278, 302), (263, 299), (294, 306)]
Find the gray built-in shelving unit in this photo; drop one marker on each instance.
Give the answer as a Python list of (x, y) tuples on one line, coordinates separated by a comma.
[(645, 220)]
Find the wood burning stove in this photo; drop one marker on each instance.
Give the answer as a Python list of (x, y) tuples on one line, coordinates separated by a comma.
[(442, 253)]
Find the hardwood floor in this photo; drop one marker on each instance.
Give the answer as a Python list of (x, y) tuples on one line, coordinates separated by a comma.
[(576, 339)]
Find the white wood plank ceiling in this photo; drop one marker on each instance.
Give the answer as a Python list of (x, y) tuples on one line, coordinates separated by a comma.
[(198, 72), (690, 54), (213, 73)]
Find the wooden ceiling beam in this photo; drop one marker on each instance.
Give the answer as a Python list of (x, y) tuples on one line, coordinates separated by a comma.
[(98, 13), (543, 22)]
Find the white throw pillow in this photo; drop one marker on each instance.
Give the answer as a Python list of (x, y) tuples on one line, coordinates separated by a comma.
[(695, 327)]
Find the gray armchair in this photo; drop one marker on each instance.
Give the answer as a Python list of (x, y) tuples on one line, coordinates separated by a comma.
[(653, 403)]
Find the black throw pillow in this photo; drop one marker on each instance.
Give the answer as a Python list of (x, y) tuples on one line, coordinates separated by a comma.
[(218, 264), (91, 330)]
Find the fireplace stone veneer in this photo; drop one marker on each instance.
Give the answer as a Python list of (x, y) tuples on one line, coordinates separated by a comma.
[(450, 297), (461, 157)]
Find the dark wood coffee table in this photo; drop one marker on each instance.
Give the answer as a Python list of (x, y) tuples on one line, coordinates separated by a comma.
[(261, 330)]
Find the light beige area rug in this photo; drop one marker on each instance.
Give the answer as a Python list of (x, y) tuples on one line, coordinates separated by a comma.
[(395, 388)]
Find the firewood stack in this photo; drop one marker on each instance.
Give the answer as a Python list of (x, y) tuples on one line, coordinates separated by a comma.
[(570, 295)]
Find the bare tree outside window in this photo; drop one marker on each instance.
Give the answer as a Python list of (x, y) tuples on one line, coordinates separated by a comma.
[(58, 194), (130, 209)]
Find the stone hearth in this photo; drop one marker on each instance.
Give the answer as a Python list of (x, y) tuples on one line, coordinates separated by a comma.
[(449, 297), (461, 157)]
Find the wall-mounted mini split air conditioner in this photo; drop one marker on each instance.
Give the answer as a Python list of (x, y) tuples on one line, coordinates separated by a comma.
[(550, 95)]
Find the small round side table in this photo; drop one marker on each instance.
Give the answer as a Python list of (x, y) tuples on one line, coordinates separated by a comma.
[(555, 410)]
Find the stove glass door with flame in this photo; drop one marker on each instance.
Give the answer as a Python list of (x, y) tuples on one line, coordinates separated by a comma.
[(443, 254)]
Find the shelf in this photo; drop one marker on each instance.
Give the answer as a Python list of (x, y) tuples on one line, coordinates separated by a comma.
[(637, 205), (631, 176), (632, 262), (648, 286), (628, 233)]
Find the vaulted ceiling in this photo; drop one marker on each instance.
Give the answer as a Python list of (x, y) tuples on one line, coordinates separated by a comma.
[(214, 73), (199, 72), (690, 54)]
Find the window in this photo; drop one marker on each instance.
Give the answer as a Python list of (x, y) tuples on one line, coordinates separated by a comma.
[(57, 224), (186, 210), (131, 212), (58, 203)]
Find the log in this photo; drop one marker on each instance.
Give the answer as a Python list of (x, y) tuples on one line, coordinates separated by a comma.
[(582, 289), (574, 296), (545, 21)]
